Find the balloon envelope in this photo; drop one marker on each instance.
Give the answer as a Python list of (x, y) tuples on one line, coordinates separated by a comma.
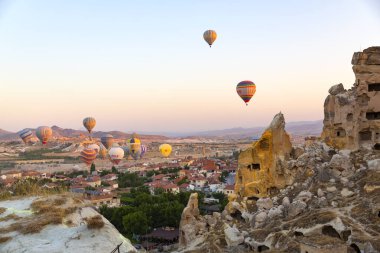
[(209, 36), (246, 90), (103, 152), (44, 133), (94, 147), (143, 150), (88, 155), (116, 154), (89, 123), (25, 135), (165, 150), (107, 140)]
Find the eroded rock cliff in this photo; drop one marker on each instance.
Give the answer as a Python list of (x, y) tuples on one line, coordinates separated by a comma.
[(352, 117)]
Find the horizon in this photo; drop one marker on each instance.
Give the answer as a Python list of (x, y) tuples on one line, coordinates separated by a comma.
[(144, 66)]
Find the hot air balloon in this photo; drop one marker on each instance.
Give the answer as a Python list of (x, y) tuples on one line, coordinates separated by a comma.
[(89, 123), (88, 155), (25, 135), (246, 90), (116, 154), (165, 150), (143, 150), (107, 140), (44, 133), (102, 152), (134, 145), (95, 147), (209, 36)]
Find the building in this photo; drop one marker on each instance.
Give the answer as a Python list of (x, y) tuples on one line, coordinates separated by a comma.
[(229, 189)]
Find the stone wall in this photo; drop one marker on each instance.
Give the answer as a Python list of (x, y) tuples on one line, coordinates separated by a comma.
[(352, 117)]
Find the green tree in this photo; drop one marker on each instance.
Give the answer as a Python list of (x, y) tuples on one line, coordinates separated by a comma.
[(224, 175), (92, 169), (136, 223)]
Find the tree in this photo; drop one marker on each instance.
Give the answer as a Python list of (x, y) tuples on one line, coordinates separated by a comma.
[(92, 169), (114, 170), (136, 223), (224, 175)]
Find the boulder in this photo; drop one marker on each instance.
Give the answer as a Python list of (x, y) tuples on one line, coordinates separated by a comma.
[(296, 208), (346, 193), (336, 89), (276, 212), (232, 236), (374, 164), (264, 203)]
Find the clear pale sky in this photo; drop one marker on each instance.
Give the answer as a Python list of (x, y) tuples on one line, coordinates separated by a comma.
[(143, 65)]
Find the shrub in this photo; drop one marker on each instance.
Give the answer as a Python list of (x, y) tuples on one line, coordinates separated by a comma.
[(5, 239), (95, 222), (2, 210)]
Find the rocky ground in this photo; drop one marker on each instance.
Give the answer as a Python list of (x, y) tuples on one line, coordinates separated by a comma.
[(57, 223), (332, 206)]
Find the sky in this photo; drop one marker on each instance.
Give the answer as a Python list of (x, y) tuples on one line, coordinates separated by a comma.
[(144, 66)]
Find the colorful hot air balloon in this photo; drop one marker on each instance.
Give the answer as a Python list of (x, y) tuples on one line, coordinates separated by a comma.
[(134, 145), (25, 135), (103, 152), (116, 154), (95, 147), (165, 150), (89, 123), (44, 133), (107, 140), (88, 155), (246, 90), (209, 36), (143, 150)]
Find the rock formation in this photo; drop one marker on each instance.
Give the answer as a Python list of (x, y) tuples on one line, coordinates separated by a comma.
[(327, 198), (352, 117), (191, 224), (261, 168)]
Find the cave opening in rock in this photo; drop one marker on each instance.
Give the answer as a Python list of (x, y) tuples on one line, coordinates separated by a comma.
[(378, 214), (365, 135), (297, 233), (376, 146), (345, 234), (355, 248), (374, 87), (350, 117), (237, 215), (254, 166), (372, 115), (330, 231), (262, 248)]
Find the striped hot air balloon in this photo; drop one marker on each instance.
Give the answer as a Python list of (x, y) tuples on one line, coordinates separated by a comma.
[(165, 150), (25, 135), (209, 36), (246, 90), (107, 140), (94, 146), (89, 123), (116, 154), (44, 133), (88, 155)]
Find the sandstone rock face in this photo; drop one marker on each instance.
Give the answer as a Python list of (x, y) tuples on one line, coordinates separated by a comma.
[(191, 224), (262, 167), (233, 236), (352, 117)]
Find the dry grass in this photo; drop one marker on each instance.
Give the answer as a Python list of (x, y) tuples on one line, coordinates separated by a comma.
[(11, 216), (59, 201), (5, 239), (95, 222), (2, 210)]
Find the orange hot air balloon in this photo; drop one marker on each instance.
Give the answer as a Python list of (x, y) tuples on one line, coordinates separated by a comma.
[(88, 155), (209, 36), (44, 133), (89, 123), (246, 90)]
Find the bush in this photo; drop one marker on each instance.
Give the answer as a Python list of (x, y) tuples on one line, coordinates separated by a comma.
[(95, 222), (5, 239)]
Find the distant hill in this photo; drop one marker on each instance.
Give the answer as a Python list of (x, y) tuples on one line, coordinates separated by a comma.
[(295, 128)]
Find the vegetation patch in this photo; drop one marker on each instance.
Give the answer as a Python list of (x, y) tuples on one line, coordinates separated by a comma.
[(2, 210), (95, 222), (5, 239), (11, 216)]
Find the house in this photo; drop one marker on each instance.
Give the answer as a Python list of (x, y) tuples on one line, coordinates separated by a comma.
[(105, 199), (229, 189), (109, 177), (11, 174), (30, 174), (198, 180), (171, 188), (93, 181)]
